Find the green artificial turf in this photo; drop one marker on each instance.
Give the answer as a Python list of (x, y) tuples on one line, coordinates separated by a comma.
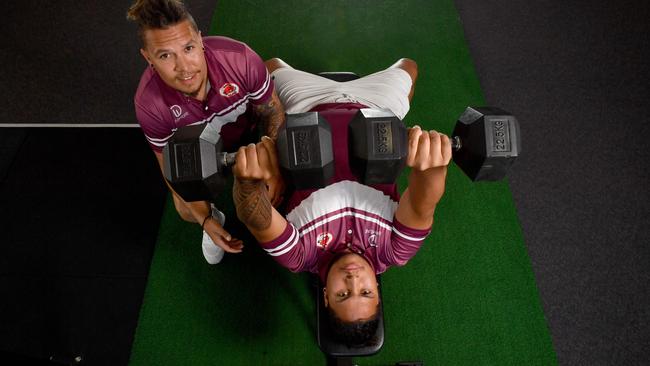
[(467, 298)]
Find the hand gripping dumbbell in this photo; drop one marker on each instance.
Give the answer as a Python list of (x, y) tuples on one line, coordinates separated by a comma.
[(485, 143), (195, 165)]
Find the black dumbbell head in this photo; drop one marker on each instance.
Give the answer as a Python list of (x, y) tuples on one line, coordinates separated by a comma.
[(489, 142), (305, 150), (191, 163), (377, 145)]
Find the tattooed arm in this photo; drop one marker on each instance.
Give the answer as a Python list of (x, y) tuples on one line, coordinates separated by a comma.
[(271, 116), (253, 165)]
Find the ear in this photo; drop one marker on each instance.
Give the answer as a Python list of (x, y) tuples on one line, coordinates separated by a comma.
[(325, 297), (145, 54)]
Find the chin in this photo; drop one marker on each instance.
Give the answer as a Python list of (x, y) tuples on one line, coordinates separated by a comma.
[(192, 92)]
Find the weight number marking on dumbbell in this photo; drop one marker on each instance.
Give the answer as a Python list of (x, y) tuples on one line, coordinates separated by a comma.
[(301, 140), (500, 135), (383, 137)]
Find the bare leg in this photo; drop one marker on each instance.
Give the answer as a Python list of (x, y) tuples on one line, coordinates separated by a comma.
[(411, 67), (275, 63)]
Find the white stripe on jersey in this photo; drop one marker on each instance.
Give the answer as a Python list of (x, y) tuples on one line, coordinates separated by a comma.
[(220, 121), (151, 139), (245, 98), (286, 246), (340, 196), (279, 247), (344, 214), (224, 116), (258, 94), (217, 120), (159, 144), (407, 237)]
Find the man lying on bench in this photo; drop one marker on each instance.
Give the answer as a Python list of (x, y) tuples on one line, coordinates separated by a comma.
[(346, 232)]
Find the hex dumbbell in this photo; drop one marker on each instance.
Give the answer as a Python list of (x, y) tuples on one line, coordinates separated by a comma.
[(305, 150), (485, 143), (196, 167), (194, 163)]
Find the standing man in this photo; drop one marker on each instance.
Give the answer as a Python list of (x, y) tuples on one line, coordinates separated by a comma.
[(191, 80)]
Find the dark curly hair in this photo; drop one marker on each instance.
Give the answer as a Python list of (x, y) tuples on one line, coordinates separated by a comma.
[(158, 14), (356, 333)]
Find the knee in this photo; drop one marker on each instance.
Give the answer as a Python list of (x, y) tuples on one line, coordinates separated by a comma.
[(408, 65), (274, 64)]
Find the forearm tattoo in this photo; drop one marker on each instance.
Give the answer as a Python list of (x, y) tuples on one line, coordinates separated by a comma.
[(252, 205), (271, 116)]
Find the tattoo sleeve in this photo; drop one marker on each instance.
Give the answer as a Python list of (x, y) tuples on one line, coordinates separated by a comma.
[(271, 116), (253, 206)]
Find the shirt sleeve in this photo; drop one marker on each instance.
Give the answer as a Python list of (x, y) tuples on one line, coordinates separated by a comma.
[(404, 243), (288, 249), (260, 84), (155, 130)]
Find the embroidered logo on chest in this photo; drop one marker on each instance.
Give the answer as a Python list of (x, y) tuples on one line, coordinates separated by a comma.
[(176, 110), (323, 239), (229, 89), (372, 237)]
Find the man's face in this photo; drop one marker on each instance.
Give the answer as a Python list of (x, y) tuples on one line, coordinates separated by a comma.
[(176, 54), (351, 288)]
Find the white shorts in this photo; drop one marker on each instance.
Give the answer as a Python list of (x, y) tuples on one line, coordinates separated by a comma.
[(301, 91)]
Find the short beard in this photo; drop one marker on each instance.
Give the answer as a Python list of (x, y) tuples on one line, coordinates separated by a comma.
[(194, 93)]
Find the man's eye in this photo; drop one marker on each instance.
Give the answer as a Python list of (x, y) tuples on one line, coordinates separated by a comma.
[(164, 56), (342, 294), (366, 292)]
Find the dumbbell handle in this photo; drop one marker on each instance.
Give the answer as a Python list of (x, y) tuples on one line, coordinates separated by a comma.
[(226, 159), (456, 144)]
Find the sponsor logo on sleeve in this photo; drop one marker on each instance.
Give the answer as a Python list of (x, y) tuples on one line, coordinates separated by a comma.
[(323, 240), (229, 89)]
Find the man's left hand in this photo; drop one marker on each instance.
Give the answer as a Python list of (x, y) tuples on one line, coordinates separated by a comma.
[(427, 149), (260, 162)]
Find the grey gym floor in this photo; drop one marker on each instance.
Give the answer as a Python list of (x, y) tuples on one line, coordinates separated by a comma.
[(575, 73)]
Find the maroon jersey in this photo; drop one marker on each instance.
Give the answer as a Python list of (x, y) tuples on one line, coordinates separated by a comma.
[(345, 215), (236, 75)]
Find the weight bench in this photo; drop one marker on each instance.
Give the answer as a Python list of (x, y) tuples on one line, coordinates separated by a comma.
[(338, 353), (340, 76)]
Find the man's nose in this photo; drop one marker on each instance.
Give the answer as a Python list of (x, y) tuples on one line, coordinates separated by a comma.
[(181, 63), (352, 282)]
